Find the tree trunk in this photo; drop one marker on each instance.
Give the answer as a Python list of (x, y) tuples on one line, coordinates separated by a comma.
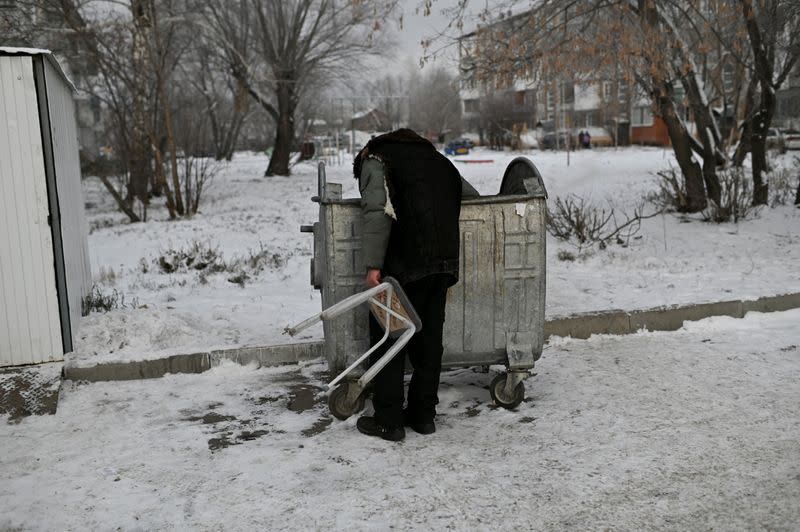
[(173, 148), (227, 143), (761, 122), (162, 93), (241, 107), (662, 95), (705, 130), (163, 182), (284, 134), (710, 178), (764, 62), (797, 194), (233, 137), (759, 161), (138, 162), (682, 147), (743, 148), (123, 205)]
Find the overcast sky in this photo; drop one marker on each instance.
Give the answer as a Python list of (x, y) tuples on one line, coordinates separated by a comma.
[(417, 27)]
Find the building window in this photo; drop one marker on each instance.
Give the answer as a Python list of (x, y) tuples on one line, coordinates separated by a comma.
[(471, 105), (530, 98), (608, 90), (622, 92), (567, 93), (642, 117)]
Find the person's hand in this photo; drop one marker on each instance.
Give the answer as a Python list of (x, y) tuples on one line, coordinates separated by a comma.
[(373, 278)]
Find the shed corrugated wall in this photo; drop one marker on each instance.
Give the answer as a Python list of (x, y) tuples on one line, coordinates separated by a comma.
[(30, 330), (74, 228)]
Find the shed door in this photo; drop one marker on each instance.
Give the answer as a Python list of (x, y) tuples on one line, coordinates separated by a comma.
[(30, 328)]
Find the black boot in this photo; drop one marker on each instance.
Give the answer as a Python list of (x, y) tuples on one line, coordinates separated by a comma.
[(367, 425), (420, 427)]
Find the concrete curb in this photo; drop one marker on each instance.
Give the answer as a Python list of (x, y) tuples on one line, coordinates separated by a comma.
[(577, 326), (662, 318), (274, 355)]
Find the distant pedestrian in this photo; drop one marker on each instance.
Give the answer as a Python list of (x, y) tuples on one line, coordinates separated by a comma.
[(581, 136), (587, 140)]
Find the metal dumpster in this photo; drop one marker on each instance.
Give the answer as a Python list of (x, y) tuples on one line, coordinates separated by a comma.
[(495, 313)]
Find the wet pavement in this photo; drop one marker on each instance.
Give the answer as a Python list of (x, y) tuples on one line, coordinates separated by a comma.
[(29, 390), (300, 396)]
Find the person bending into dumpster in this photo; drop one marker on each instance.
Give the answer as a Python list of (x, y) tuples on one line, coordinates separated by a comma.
[(410, 201)]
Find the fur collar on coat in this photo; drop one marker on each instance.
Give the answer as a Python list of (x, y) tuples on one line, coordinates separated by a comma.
[(403, 135)]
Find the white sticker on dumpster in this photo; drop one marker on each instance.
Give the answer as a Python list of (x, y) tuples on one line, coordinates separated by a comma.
[(521, 209)]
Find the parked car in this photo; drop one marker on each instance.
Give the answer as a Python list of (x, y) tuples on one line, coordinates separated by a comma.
[(791, 139), (466, 142), (551, 142), (456, 147), (775, 140)]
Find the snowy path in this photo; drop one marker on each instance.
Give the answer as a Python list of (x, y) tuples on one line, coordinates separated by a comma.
[(695, 429)]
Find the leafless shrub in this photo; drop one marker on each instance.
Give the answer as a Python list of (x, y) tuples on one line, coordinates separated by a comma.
[(206, 260), (576, 219), (736, 198), (198, 256), (670, 194), (98, 301), (782, 184), (566, 256), (253, 263), (257, 260), (196, 174)]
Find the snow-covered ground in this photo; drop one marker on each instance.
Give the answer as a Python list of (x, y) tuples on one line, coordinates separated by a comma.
[(675, 261), (696, 429)]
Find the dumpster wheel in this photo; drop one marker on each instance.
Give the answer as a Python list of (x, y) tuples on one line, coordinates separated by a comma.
[(497, 389), (339, 403)]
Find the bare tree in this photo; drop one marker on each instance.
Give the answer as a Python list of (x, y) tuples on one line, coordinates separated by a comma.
[(134, 47), (773, 29), (763, 39), (496, 120), (594, 40), (664, 45), (390, 96), (435, 107), (224, 99), (291, 42)]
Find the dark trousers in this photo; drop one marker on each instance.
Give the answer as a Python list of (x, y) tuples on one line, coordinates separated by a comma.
[(428, 296)]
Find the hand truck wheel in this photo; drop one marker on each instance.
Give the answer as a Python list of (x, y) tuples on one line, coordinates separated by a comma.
[(341, 403)]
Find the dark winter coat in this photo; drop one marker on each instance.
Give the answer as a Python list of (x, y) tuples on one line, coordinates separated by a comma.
[(415, 191)]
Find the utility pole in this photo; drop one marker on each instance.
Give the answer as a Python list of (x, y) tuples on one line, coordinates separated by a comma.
[(352, 128)]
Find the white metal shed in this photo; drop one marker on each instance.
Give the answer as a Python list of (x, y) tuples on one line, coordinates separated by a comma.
[(44, 255)]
